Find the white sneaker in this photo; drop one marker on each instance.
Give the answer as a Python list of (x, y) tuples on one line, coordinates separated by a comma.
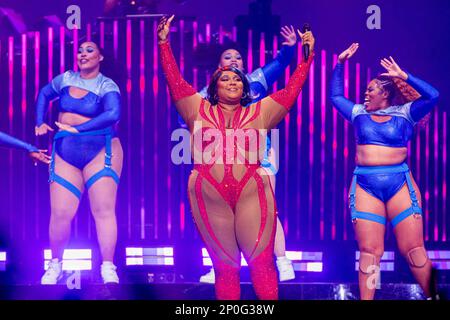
[(285, 269), (210, 277), (108, 272), (53, 273)]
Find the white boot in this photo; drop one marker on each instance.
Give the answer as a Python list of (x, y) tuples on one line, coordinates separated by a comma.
[(210, 277), (53, 273), (285, 269), (108, 272)]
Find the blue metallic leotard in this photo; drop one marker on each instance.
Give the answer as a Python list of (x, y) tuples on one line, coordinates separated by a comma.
[(101, 104), (383, 182), (8, 141)]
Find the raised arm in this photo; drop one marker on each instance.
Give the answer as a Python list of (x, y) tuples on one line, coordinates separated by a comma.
[(274, 69), (187, 100), (277, 105), (429, 97), (342, 104)]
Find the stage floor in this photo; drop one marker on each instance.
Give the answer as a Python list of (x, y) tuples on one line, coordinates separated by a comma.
[(199, 291)]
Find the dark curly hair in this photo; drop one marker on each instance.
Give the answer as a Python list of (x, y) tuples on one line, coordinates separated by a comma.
[(212, 88)]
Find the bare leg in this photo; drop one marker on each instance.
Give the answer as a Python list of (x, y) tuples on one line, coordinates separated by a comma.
[(370, 237), (409, 235), (102, 197), (215, 222), (280, 240), (64, 205), (255, 233)]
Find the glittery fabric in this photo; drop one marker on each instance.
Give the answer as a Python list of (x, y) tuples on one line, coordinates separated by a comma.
[(287, 96), (232, 204), (264, 274), (178, 87), (227, 281)]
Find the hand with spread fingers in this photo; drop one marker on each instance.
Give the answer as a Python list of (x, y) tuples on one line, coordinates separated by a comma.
[(392, 68), (290, 38)]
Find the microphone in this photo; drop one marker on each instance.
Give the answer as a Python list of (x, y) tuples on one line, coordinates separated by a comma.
[(305, 47)]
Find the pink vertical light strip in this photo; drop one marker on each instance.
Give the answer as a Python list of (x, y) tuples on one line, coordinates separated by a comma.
[(89, 32), (274, 54), (142, 120), (311, 130), (75, 49), (129, 124), (358, 83), (182, 69), (250, 51), (195, 80), (23, 104), (286, 157), (345, 195), (220, 34), (50, 65), (299, 148), (444, 177), (102, 34), (62, 56), (37, 57), (155, 86), (10, 119), (195, 35), (116, 37), (262, 50), (182, 62), (435, 176), (427, 183), (418, 151), (234, 34), (334, 180), (323, 101), (208, 33)]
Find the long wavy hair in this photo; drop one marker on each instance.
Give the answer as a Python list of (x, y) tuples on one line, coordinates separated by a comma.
[(213, 98)]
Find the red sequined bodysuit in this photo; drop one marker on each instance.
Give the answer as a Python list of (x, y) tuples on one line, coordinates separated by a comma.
[(232, 201)]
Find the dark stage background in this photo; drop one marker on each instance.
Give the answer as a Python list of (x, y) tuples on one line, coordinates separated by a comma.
[(316, 147)]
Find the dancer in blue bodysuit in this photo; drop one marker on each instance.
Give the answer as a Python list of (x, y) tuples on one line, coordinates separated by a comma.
[(34, 153), (260, 81), (383, 187), (86, 154)]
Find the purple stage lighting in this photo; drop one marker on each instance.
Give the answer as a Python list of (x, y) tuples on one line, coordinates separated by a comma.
[(154, 256), (440, 259), (2, 260), (386, 263), (73, 259)]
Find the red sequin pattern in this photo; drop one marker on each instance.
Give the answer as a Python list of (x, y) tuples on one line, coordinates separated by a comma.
[(178, 87), (287, 96)]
